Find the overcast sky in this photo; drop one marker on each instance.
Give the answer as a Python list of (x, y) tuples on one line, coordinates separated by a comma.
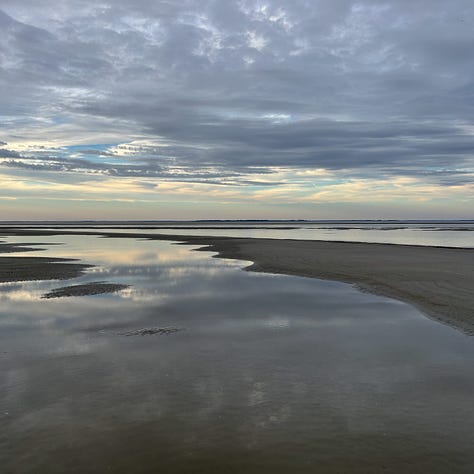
[(140, 109)]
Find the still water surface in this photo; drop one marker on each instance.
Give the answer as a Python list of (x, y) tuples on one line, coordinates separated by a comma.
[(267, 373), (447, 234)]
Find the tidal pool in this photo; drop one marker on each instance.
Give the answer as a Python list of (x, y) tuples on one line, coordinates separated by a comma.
[(258, 373)]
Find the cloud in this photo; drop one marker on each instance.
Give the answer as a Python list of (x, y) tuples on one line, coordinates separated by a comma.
[(229, 92), (4, 153)]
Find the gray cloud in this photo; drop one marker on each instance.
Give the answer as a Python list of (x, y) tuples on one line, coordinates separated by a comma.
[(4, 153), (369, 88)]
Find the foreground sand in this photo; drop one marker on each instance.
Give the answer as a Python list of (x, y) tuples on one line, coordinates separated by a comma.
[(35, 268), (439, 281)]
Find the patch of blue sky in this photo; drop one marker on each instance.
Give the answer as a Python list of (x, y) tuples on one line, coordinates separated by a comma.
[(98, 147), (92, 153)]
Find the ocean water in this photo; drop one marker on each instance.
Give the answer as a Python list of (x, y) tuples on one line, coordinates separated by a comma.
[(264, 373), (442, 234)]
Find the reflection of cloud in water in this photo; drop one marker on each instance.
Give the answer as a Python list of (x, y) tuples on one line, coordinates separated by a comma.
[(264, 361), (145, 296), (21, 295), (278, 322), (118, 251)]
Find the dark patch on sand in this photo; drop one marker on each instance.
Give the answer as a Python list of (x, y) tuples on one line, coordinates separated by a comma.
[(23, 247), (151, 331), (39, 268), (94, 288)]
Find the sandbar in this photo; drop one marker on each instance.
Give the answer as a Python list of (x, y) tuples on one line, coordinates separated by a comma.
[(38, 268), (438, 281), (86, 289)]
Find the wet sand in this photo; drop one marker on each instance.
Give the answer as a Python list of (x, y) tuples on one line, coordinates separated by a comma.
[(38, 268), (14, 248), (14, 269), (88, 289), (437, 280)]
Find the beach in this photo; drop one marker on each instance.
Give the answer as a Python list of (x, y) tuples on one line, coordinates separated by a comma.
[(35, 268), (438, 281), (112, 337)]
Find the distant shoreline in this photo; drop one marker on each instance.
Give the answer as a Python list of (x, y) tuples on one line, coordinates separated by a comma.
[(437, 280), (178, 223)]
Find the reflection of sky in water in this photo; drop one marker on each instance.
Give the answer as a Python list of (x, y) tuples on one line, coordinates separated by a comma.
[(456, 234), (268, 374)]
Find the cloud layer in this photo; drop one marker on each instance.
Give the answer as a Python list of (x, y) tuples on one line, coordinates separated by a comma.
[(252, 98)]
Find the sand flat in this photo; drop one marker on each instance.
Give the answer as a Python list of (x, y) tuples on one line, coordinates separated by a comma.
[(38, 268), (87, 289), (439, 281)]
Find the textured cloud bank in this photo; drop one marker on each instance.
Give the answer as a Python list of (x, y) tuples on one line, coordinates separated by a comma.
[(294, 101)]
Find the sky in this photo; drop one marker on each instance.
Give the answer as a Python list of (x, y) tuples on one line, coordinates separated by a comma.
[(235, 109)]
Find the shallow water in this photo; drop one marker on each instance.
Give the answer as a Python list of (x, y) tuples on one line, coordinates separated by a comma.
[(267, 373), (447, 234)]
